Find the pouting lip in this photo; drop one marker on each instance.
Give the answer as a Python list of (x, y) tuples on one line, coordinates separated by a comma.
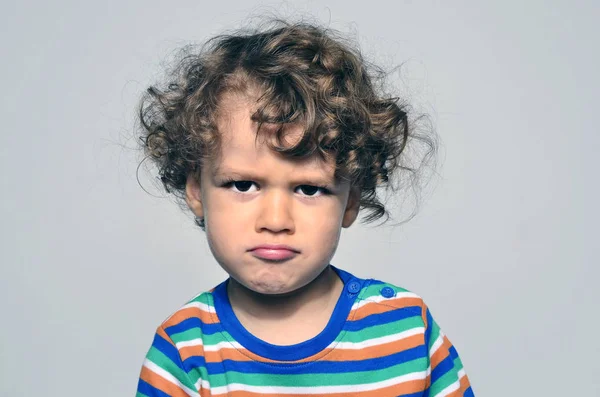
[(274, 247)]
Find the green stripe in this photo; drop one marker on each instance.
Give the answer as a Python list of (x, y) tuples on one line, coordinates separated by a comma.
[(185, 336), (205, 298), (435, 333), (378, 331), (158, 358), (195, 333), (197, 373), (217, 337), (371, 291), (319, 379), (446, 380), (458, 364), (375, 290)]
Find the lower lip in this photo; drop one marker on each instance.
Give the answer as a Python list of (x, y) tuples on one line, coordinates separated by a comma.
[(273, 255)]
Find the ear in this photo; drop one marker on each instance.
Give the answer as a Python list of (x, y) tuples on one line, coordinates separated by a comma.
[(193, 196), (352, 207)]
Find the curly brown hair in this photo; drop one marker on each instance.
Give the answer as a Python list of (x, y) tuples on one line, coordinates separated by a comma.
[(301, 73)]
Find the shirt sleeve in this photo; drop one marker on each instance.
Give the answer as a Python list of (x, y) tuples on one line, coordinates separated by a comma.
[(163, 373), (447, 376)]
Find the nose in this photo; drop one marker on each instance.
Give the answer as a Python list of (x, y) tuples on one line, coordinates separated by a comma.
[(275, 214)]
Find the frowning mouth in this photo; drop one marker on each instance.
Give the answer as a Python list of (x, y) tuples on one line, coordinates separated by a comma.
[(274, 252)]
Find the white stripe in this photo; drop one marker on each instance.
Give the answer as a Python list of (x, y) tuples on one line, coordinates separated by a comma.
[(202, 384), (223, 345), (209, 348), (452, 388), (199, 305), (188, 343), (379, 298), (378, 341), (167, 376), (319, 390), (438, 343)]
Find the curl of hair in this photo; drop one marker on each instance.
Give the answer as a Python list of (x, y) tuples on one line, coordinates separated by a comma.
[(303, 74)]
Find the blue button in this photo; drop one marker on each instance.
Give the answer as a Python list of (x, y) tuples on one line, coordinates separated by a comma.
[(353, 287), (387, 292)]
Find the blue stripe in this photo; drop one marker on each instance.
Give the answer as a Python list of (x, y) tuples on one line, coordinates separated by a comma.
[(317, 367), (191, 323), (469, 392), (197, 362), (383, 318), (442, 369), (428, 329), (149, 390), (453, 352), (168, 350)]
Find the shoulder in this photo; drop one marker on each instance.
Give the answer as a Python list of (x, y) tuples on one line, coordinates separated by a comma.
[(384, 301), (385, 293), (197, 313)]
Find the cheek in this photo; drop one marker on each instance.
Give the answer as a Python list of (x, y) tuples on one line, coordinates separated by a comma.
[(223, 211), (224, 227), (324, 227), (327, 218), (224, 246)]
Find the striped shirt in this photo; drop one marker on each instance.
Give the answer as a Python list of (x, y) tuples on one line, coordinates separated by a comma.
[(380, 341)]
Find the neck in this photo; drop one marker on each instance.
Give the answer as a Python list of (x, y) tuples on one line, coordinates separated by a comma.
[(320, 295)]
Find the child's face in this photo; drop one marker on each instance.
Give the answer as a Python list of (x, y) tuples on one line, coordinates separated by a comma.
[(272, 202)]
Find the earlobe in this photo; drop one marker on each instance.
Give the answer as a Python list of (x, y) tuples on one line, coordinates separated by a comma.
[(193, 196), (352, 208)]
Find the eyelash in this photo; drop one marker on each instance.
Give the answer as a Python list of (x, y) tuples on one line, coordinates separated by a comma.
[(324, 189)]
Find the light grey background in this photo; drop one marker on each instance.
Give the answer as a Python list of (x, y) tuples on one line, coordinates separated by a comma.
[(502, 250)]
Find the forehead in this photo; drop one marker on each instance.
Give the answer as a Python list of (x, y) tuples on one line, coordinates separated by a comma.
[(241, 146)]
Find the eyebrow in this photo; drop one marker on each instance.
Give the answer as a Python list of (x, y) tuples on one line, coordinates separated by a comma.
[(249, 175)]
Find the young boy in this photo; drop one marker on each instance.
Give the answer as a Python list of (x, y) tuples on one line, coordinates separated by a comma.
[(276, 140)]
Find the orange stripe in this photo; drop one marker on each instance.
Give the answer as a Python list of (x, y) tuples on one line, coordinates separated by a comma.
[(161, 383), (464, 385), (441, 353), (191, 351), (205, 392), (191, 312), (160, 331), (382, 307)]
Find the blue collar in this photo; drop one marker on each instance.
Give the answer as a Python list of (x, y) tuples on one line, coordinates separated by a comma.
[(299, 351)]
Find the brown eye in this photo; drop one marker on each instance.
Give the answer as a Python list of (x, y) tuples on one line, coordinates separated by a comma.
[(312, 191), (239, 186), (243, 186)]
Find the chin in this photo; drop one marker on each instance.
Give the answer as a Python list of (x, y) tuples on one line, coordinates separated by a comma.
[(266, 287)]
